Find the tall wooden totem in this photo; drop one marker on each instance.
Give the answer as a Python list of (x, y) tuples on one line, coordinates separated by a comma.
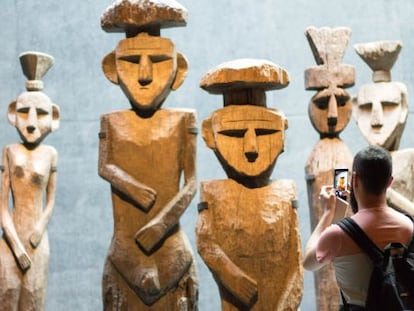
[(247, 230), (28, 176), (330, 110), (381, 111), (144, 151)]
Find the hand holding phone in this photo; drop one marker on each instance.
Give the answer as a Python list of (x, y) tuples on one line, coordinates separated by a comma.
[(341, 182)]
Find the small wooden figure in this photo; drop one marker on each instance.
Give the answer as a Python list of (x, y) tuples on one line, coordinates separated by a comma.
[(144, 151), (381, 111), (330, 110), (247, 231), (29, 174)]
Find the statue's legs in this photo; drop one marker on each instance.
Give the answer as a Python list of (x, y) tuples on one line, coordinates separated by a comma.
[(10, 279), (34, 282), (118, 296)]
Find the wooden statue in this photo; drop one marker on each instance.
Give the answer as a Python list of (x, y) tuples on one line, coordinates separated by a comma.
[(29, 174), (144, 151), (381, 111), (247, 231), (330, 111)]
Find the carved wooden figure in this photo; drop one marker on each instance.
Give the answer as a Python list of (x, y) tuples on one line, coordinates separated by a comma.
[(29, 174), (381, 111), (330, 111), (144, 151), (247, 231)]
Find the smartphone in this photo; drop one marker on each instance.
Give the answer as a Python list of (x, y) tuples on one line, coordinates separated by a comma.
[(341, 182)]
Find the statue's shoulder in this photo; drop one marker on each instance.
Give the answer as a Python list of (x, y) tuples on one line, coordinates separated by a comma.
[(217, 184), (13, 148), (283, 184), (48, 149), (116, 114), (284, 188), (218, 189), (184, 111)]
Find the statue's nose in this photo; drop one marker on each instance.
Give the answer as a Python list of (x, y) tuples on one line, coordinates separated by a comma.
[(145, 70), (31, 129), (251, 156), (250, 146), (377, 115)]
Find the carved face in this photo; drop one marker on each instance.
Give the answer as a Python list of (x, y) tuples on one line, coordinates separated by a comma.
[(247, 139), (381, 112), (33, 116), (330, 110), (146, 68)]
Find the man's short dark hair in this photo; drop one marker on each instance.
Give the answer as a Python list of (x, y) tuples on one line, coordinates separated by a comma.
[(373, 166)]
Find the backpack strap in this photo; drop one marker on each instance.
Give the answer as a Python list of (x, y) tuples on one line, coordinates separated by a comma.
[(350, 227)]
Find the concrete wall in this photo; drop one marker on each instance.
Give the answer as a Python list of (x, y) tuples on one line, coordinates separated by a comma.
[(217, 31)]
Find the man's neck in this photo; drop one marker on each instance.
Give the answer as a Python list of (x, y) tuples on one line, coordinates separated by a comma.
[(372, 201)]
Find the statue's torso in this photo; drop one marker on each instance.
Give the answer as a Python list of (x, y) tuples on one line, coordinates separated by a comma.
[(257, 229)]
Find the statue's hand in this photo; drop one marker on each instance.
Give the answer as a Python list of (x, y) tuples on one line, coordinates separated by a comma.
[(147, 197), (246, 289), (35, 238), (149, 236), (24, 261)]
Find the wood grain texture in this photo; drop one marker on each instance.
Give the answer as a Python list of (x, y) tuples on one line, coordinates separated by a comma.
[(28, 175), (247, 230), (381, 111), (147, 154), (381, 108), (330, 111), (328, 154)]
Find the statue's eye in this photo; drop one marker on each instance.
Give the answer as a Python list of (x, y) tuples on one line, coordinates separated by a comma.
[(23, 110), (131, 58), (233, 132), (260, 132), (389, 103), (321, 102), (41, 112), (159, 58), (365, 106), (341, 100)]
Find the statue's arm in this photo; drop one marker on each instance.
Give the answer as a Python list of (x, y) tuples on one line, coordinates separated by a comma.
[(399, 202), (7, 224), (155, 230), (138, 192), (41, 226), (294, 278), (232, 277)]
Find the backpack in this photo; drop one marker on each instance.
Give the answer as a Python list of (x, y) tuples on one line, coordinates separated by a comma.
[(391, 286)]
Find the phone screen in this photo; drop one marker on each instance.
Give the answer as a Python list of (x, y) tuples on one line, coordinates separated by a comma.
[(341, 182)]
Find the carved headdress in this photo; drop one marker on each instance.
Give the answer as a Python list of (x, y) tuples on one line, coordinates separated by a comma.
[(135, 16), (34, 66)]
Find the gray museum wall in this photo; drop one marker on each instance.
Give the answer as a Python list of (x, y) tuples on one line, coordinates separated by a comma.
[(217, 31)]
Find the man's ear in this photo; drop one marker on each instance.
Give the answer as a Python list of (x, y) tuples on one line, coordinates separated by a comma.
[(354, 180), (109, 67), (55, 117), (11, 113), (390, 181), (182, 68), (207, 133)]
